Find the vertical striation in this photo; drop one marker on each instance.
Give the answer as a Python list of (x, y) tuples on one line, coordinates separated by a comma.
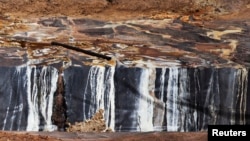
[(145, 104), (26, 95), (13, 98), (87, 90), (133, 98), (41, 86), (184, 99)]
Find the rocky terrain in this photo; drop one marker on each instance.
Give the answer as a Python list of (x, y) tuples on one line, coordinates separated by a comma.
[(201, 33)]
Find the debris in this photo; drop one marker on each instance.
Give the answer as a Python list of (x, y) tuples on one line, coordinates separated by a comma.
[(95, 124)]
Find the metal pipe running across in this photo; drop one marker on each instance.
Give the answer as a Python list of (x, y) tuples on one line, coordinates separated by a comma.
[(81, 50)]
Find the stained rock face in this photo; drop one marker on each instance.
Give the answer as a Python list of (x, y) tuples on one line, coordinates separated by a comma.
[(169, 99), (27, 98), (164, 75), (134, 99), (94, 91)]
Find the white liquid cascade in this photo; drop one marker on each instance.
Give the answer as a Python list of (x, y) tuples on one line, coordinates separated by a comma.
[(99, 85), (146, 101), (41, 100)]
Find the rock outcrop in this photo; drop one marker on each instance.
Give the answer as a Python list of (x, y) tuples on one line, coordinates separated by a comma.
[(173, 74)]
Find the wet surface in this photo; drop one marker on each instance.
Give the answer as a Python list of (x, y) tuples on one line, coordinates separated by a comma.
[(146, 42)]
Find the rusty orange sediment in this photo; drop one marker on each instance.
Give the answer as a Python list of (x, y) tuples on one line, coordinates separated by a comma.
[(212, 34)]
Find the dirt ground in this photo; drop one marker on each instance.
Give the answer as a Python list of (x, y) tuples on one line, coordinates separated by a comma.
[(118, 10), (99, 8), (59, 136), (9, 136)]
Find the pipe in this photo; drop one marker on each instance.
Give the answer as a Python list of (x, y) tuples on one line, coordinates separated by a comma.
[(81, 50)]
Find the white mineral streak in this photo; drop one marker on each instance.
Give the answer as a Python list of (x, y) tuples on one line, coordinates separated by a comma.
[(172, 100), (98, 84), (18, 108), (84, 97), (208, 100), (48, 88), (231, 97), (162, 85), (18, 69), (96, 80), (146, 102), (5, 119), (184, 96), (242, 93), (33, 116), (159, 106), (179, 115), (110, 111)]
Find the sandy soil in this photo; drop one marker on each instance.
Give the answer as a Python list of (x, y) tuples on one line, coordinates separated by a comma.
[(10, 136), (118, 10), (59, 136)]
